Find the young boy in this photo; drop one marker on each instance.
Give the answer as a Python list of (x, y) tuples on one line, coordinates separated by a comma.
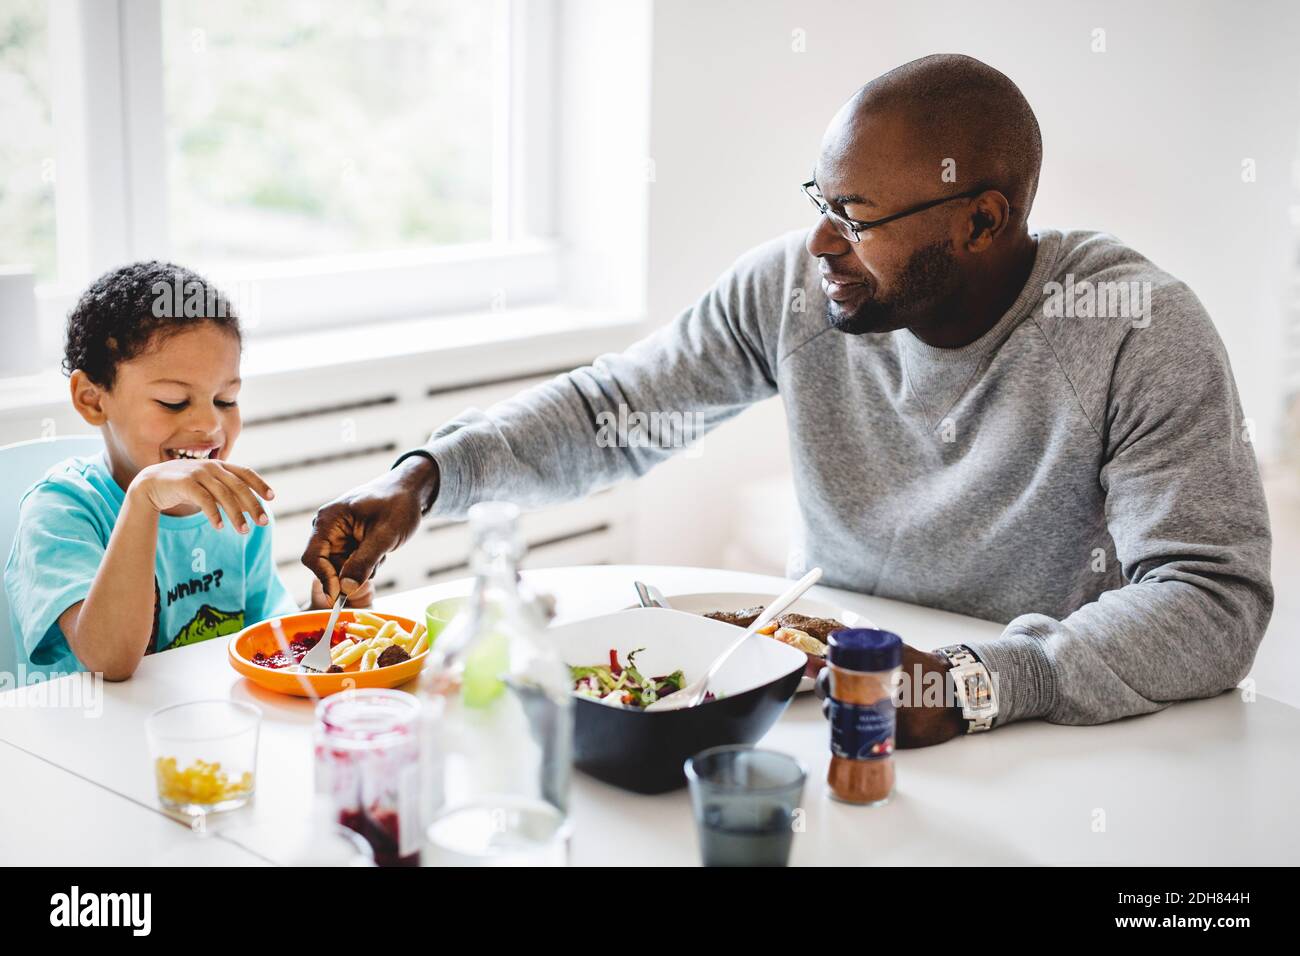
[(161, 541)]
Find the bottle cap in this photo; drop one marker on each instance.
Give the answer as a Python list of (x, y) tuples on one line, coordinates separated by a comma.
[(494, 533), (865, 649)]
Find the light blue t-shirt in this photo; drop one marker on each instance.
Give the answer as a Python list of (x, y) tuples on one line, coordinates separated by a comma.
[(207, 583)]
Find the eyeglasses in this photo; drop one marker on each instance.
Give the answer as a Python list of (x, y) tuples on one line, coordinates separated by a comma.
[(852, 229)]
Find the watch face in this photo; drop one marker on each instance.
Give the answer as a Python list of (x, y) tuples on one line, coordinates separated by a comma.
[(978, 696)]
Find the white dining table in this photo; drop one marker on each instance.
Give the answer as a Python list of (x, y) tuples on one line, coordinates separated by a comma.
[(1208, 782)]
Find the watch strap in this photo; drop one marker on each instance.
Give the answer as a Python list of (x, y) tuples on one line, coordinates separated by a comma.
[(960, 656)]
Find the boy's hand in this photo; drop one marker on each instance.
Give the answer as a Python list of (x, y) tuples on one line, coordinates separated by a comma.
[(363, 596), (207, 484)]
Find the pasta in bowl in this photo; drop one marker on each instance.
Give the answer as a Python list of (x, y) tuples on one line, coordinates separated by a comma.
[(368, 649)]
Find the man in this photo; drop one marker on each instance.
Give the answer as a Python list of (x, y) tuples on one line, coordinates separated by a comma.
[(1036, 428)]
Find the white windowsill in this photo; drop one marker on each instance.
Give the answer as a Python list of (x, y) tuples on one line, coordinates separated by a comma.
[(438, 337)]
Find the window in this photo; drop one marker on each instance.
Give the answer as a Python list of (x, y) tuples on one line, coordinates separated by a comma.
[(303, 129), (27, 143), (325, 161)]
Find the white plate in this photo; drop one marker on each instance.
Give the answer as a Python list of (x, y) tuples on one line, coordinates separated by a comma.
[(705, 602)]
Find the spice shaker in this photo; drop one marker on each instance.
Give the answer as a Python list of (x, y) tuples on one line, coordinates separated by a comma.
[(862, 671)]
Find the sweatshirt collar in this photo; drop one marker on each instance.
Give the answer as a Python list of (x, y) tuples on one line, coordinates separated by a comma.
[(1029, 300)]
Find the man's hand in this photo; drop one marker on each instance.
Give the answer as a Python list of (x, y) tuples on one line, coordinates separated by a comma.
[(922, 720), (926, 712), (363, 596), (353, 533)]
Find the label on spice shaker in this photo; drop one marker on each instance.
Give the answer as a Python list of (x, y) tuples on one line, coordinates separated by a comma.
[(862, 731)]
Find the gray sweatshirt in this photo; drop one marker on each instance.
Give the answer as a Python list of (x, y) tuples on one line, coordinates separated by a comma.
[(1081, 472)]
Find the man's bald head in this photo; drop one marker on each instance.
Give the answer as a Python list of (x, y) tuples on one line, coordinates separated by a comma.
[(949, 106), (945, 152)]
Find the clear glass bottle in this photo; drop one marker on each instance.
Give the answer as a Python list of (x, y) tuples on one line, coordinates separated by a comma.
[(497, 719)]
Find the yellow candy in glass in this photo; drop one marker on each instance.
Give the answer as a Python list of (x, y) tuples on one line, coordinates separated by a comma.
[(201, 782)]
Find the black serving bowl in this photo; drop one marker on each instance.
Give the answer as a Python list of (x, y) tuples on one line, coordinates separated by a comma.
[(644, 751)]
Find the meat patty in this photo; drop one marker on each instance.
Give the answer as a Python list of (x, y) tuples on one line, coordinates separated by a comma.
[(742, 618)]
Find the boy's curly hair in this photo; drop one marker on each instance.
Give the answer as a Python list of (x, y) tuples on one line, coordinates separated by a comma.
[(125, 311)]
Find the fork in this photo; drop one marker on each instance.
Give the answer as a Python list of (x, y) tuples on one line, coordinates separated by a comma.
[(318, 658)]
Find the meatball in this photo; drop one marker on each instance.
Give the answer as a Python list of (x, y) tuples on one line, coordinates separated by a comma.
[(392, 654)]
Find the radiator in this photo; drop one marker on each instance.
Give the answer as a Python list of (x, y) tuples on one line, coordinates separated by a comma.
[(311, 449)]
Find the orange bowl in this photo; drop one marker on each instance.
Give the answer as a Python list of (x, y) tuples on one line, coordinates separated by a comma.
[(260, 637)]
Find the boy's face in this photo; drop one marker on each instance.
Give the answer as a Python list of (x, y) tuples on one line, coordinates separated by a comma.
[(175, 400)]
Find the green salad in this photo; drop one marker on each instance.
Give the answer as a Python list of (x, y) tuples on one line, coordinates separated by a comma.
[(623, 685)]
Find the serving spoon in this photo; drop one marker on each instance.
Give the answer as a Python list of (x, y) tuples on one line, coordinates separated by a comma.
[(650, 596), (694, 692)]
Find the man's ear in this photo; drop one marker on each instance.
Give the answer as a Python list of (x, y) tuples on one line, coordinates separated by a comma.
[(88, 398), (988, 220)]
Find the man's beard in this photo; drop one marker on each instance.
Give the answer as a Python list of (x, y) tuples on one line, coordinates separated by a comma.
[(927, 290)]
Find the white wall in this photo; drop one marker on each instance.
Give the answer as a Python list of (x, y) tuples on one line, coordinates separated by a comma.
[(1145, 141)]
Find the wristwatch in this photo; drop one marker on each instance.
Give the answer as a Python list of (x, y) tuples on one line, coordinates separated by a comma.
[(974, 686)]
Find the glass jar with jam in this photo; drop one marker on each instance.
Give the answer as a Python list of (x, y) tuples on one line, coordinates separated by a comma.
[(367, 769)]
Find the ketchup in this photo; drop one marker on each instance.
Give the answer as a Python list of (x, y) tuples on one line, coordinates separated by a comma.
[(298, 648)]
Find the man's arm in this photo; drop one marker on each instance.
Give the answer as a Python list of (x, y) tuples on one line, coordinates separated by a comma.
[(583, 430), (579, 432), (1186, 510)]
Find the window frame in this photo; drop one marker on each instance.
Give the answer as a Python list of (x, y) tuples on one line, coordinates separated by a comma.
[(107, 100)]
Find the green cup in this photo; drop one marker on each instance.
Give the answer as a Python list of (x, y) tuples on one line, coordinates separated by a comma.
[(439, 614)]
